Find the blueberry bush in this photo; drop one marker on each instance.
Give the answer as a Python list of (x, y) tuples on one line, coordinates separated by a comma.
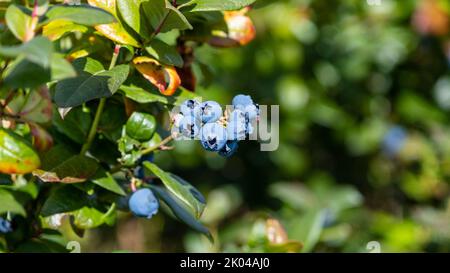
[(85, 91), (95, 94)]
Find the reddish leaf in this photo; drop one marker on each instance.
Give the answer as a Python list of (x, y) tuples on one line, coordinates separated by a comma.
[(164, 77), (42, 140), (16, 155)]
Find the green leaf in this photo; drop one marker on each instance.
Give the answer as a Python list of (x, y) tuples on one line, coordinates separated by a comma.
[(10, 204), (60, 165), (75, 124), (61, 68), (213, 5), (140, 95), (88, 65), (88, 217), (64, 199), (164, 17), (79, 14), (39, 51), (105, 180), (58, 28), (34, 106), (179, 211), (25, 74), (42, 7), (131, 15), (141, 126), (114, 31), (75, 91), (181, 189), (18, 20), (164, 53), (16, 155), (307, 229), (36, 245)]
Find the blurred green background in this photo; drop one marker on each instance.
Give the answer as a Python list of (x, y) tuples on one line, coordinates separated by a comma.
[(364, 155)]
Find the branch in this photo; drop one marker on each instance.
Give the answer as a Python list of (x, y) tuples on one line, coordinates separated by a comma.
[(98, 113)]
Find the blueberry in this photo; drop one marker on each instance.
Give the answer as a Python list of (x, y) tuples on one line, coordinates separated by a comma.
[(5, 226), (147, 157), (236, 127), (241, 101), (252, 111), (190, 108), (229, 149), (213, 136), (211, 111), (237, 115), (143, 203), (176, 120), (246, 105), (189, 127), (394, 140), (139, 172)]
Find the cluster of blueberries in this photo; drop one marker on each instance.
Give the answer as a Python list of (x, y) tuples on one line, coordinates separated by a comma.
[(5, 226), (204, 121), (217, 133)]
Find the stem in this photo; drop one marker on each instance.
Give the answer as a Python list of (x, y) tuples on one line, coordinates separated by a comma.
[(162, 143), (98, 113), (93, 130), (159, 27), (114, 57), (33, 23), (118, 167)]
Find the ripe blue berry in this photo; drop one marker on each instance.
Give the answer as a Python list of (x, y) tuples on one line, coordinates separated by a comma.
[(229, 149), (241, 101), (246, 105), (394, 140), (143, 203), (252, 111), (236, 127), (211, 111), (5, 226), (213, 136), (190, 108), (189, 127), (139, 170), (147, 157), (176, 120)]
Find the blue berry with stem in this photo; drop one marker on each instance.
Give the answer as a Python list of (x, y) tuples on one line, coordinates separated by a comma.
[(5, 226), (213, 136), (143, 203), (229, 149), (211, 111)]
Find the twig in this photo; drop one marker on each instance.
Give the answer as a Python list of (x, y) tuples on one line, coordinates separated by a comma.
[(98, 113)]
